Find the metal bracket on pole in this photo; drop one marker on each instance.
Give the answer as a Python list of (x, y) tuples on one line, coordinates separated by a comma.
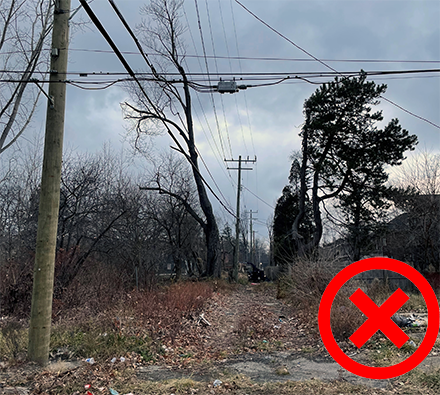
[(74, 12), (50, 98)]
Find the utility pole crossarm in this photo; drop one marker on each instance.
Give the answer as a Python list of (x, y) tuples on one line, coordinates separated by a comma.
[(242, 160)]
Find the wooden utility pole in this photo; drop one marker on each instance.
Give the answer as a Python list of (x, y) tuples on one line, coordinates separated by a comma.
[(251, 237), (41, 310), (234, 272)]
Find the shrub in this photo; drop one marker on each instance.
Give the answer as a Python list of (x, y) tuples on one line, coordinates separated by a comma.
[(138, 323), (13, 340), (16, 287), (306, 284)]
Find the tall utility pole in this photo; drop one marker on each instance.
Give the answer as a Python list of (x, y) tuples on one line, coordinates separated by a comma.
[(41, 310), (251, 237), (255, 250), (234, 272)]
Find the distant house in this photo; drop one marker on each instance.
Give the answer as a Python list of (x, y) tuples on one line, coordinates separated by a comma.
[(414, 236)]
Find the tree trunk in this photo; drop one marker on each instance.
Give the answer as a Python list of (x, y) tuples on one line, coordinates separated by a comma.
[(302, 200), (213, 268)]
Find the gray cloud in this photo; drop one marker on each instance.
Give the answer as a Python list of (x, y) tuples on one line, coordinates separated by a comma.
[(404, 30)]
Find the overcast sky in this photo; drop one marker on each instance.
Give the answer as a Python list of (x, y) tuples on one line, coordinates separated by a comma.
[(265, 121)]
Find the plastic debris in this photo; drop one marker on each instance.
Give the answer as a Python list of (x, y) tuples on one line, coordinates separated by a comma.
[(419, 322), (401, 321), (91, 361), (408, 321), (122, 359), (217, 383), (87, 386), (89, 393), (412, 344), (113, 360), (113, 392)]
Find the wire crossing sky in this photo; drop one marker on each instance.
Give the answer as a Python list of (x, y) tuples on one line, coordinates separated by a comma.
[(394, 42)]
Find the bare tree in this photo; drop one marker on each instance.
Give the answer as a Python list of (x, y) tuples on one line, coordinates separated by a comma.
[(175, 211), (416, 231), (421, 172), (19, 203), (166, 104), (24, 30)]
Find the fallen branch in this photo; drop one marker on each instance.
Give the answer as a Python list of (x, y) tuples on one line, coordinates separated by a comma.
[(203, 320)]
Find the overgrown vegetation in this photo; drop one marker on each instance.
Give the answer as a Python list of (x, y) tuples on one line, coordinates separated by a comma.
[(307, 282), (124, 382), (138, 323)]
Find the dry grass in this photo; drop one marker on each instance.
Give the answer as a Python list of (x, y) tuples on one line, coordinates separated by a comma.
[(138, 323), (307, 283), (13, 340), (180, 298), (125, 382)]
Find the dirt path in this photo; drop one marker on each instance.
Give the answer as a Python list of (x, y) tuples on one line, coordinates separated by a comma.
[(254, 334), (250, 333)]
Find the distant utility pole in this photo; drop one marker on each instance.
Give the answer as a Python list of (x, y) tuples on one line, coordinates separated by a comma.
[(255, 251), (234, 272), (41, 310), (251, 234)]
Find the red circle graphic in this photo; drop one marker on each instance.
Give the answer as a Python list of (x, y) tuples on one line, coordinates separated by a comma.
[(333, 288)]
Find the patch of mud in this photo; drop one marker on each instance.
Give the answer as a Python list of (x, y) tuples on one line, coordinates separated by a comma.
[(274, 367)]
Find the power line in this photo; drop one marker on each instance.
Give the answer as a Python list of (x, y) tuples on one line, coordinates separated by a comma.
[(325, 64), (207, 69), (101, 29), (244, 96), (198, 84), (259, 58), (157, 76), (219, 161), (284, 37), (209, 142), (210, 174), (230, 68), (241, 74), (216, 68), (260, 199)]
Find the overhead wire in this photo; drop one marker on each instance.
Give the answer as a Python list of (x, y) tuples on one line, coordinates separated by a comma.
[(230, 68), (253, 58), (243, 75), (237, 47), (216, 68), (326, 65), (207, 70), (259, 198), (219, 161), (199, 86), (212, 177), (102, 30), (157, 76), (198, 152)]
